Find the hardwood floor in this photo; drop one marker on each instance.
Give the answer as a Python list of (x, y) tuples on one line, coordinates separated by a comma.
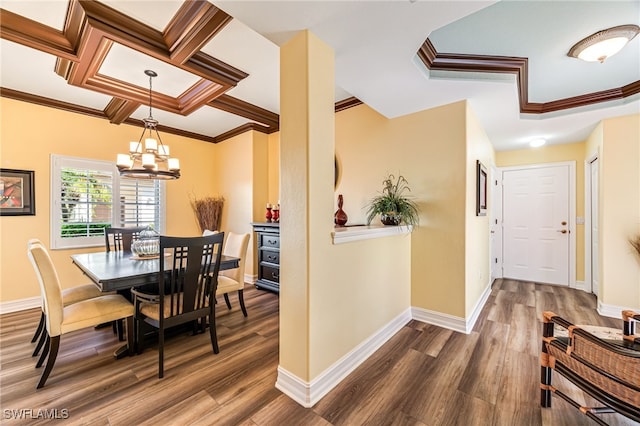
[(424, 375)]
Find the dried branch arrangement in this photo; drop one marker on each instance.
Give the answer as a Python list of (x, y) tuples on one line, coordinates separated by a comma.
[(635, 242), (208, 212)]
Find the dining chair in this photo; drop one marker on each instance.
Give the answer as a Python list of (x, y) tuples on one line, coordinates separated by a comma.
[(62, 319), (233, 279), (69, 296), (120, 239), (187, 284)]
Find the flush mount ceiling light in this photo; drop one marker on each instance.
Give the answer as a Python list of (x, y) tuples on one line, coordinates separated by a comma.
[(154, 161), (535, 143), (603, 44)]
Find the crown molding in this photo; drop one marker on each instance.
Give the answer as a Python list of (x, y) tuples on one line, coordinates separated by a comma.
[(434, 60), (347, 103)]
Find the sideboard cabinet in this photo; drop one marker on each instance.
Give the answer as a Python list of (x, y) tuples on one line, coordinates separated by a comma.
[(268, 254)]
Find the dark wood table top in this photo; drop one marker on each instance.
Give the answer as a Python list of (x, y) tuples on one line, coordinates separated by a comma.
[(119, 270)]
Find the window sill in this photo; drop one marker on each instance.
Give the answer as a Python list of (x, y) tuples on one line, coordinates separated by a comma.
[(358, 233)]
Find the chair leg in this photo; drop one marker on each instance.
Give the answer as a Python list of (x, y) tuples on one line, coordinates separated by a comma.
[(53, 354), (45, 351), (39, 329), (43, 339), (241, 299), (130, 334), (212, 331), (160, 353), (120, 327), (226, 299)]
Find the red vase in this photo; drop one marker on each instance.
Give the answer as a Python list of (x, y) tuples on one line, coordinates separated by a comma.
[(340, 218), (269, 215)]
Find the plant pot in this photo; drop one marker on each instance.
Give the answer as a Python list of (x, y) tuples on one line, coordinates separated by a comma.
[(390, 219)]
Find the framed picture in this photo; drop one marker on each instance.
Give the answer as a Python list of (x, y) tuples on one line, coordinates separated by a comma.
[(17, 196), (481, 191)]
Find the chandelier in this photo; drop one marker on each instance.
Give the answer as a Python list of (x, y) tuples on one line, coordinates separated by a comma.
[(152, 162)]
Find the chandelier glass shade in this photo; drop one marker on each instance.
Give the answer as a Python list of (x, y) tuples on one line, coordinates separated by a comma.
[(148, 158), (603, 44)]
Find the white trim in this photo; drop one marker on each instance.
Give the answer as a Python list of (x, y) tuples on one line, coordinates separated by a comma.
[(587, 223), (438, 318), (475, 313), (20, 305), (612, 311), (452, 322), (582, 285), (250, 278), (308, 394), (357, 233), (572, 209)]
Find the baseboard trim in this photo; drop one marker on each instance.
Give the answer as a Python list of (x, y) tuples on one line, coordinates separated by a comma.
[(581, 285), (452, 322), (475, 313), (20, 305), (612, 311), (308, 394)]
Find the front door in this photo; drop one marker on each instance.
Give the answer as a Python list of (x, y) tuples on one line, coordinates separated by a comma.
[(536, 224)]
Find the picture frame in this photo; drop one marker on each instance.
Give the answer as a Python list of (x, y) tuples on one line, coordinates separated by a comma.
[(17, 193), (481, 189)]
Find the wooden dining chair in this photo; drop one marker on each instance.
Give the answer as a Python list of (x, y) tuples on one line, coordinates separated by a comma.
[(187, 283), (69, 296), (62, 319), (120, 239), (231, 280)]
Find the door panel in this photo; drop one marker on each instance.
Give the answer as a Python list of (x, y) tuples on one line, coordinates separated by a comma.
[(535, 219)]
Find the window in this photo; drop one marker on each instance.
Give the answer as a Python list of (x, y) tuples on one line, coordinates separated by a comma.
[(89, 195)]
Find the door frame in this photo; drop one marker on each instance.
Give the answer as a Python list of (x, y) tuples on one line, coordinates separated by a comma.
[(588, 279), (572, 209)]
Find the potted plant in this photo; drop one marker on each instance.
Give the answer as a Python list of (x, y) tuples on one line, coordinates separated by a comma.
[(392, 205)]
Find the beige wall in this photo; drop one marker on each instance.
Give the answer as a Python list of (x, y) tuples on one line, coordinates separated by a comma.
[(30, 133), (333, 297), (619, 166), (553, 154), (477, 247)]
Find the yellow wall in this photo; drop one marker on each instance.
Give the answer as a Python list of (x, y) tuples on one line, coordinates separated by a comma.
[(477, 247), (363, 284), (273, 169), (30, 133), (619, 166), (553, 154)]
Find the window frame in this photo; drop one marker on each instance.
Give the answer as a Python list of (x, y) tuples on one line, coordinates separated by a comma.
[(58, 162)]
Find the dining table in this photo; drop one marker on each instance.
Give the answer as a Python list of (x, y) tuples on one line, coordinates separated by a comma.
[(120, 271)]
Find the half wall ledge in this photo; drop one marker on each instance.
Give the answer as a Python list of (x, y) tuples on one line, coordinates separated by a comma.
[(349, 234)]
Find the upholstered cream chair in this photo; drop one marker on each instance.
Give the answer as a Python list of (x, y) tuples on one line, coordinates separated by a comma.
[(233, 279), (62, 319), (69, 296)]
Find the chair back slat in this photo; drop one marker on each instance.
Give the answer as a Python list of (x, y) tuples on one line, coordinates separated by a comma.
[(121, 239), (187, 281)]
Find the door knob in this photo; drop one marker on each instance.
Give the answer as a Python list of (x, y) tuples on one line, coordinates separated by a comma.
[(563, 231), (563, 223)]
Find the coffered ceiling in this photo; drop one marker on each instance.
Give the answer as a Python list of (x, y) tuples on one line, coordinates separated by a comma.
[(218, 62)]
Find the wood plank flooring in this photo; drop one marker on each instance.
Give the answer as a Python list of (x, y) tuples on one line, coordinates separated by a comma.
[(424, 375)]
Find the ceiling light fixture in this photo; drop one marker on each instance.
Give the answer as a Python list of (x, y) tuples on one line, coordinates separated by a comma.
[(535, 143), (154, 162), (603, 44)]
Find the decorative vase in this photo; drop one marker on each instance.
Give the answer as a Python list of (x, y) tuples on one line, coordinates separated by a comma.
[(147, 244), (340, 218), (269, 215), (276, 214), (391, 218)]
